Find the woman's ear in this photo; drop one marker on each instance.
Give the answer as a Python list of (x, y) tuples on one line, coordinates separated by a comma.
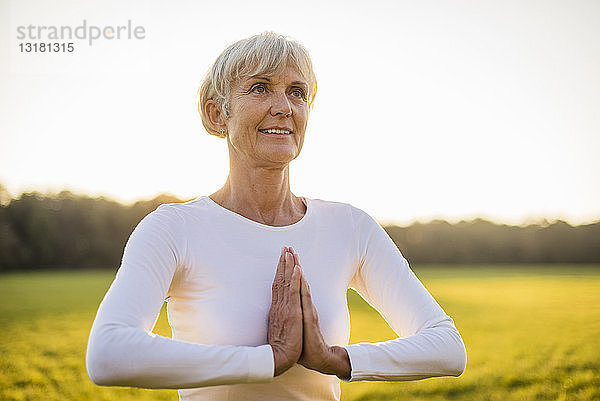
[(216, 119)]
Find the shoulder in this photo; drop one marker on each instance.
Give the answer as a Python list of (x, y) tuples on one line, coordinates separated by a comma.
[(175, 216), (200, 206), (342, 210), (331, 208)]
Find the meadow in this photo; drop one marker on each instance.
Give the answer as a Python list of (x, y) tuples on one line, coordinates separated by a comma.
[(532, 333)]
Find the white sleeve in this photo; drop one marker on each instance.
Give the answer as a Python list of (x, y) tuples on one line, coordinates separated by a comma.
[(428, 344), (122, 351)]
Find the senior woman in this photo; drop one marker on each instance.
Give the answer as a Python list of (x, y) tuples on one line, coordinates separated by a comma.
[(255, 277)]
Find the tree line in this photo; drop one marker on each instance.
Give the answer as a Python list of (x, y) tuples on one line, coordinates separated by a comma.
[(66, 230)]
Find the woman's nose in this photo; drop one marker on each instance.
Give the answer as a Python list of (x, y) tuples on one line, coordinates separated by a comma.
[(281, 105)]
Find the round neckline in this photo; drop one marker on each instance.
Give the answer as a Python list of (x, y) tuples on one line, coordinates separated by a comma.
[(261, 225)]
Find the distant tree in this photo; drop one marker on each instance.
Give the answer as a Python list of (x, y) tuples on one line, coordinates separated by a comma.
[(66, 230), (480, 241)]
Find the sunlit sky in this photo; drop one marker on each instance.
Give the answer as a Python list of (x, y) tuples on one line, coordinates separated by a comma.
[(425, 109)]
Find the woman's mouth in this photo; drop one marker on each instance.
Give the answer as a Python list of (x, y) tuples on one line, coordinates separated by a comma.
[(275, 132)]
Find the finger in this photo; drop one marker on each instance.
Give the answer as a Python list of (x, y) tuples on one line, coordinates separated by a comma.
[(295, 288), (296, 259), (289, 268), (305, 299), (306, 288), (280, 263), (277, 287)]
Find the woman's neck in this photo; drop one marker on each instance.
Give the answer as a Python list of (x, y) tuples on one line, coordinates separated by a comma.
[(261, 194)]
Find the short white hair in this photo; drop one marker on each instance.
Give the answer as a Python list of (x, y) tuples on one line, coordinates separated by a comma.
[(266, 53)]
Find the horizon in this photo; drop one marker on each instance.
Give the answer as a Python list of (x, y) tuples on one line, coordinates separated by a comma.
[(543, 221)]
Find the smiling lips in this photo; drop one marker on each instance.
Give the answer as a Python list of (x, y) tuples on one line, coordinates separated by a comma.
[(273, 131)]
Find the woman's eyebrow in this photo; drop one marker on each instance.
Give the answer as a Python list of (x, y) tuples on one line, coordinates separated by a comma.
[(302, 83), (260, 77)]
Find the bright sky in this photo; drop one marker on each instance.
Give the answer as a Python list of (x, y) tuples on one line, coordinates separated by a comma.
[(425, 109)]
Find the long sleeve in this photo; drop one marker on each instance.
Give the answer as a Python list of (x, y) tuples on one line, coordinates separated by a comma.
[(122, 351), (429, 344)]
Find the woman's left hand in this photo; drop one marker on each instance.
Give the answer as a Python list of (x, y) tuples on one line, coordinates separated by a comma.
[(316, 354)]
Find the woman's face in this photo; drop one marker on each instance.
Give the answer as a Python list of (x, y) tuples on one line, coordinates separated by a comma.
[(268, 116)]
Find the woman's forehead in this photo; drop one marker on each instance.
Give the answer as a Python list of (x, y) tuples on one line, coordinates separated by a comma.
[(288, 70)]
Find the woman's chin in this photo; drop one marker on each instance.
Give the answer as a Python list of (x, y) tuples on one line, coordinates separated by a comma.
[(278, 158)]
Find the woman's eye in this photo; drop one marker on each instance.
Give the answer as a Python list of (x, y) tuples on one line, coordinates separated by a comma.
[(298, 92), (259, 88)]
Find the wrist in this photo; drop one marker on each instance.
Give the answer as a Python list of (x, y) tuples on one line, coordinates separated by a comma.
[(339, 362), (280, 361)]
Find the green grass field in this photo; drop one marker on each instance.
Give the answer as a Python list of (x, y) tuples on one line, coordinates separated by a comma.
[(532, 333)]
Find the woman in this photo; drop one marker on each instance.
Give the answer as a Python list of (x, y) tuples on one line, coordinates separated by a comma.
[(256, 277)]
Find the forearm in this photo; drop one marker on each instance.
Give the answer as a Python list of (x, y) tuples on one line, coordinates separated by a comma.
[(127, 356), (435, 351)]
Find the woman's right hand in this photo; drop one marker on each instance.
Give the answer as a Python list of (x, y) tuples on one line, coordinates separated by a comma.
[(285, 316)]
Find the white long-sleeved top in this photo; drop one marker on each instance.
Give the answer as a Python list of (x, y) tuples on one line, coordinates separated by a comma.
[(215, 269)]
